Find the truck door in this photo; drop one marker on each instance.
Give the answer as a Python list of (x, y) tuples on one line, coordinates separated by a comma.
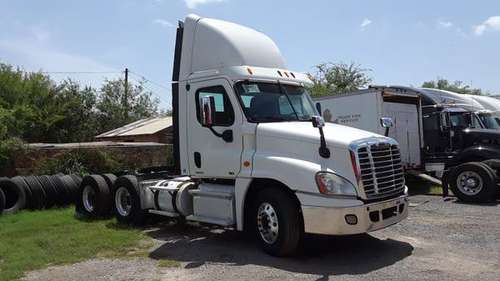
[(210, 155), (405, 130)]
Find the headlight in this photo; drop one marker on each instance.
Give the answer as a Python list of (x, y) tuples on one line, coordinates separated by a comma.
[(332, 184)]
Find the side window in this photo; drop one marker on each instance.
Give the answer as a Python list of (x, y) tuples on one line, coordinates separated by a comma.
[(224, 114)]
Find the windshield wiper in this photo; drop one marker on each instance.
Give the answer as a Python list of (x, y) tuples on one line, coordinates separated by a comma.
[(283, 91), (271, 119)]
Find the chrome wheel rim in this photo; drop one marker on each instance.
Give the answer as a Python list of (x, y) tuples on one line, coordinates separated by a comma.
[(267, 223), (123, 201), (469, 183), (88, 198)]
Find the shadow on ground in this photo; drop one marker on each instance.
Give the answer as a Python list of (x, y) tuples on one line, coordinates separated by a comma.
[(322, 255)]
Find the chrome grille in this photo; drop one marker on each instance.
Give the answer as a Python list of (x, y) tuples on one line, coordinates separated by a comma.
[(381, 170)]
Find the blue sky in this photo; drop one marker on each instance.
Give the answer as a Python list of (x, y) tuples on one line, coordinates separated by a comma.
[(402, 42)]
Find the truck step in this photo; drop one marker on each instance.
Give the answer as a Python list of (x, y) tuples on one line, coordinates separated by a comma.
[(164, 213), (217, 221)]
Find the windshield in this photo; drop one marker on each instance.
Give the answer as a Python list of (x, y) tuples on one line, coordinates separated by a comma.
[(490, 121), (272, 102)]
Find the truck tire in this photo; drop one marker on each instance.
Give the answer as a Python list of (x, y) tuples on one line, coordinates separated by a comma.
[(49, 190), (277, 222), (495, 165), (94, 197), (72, 188), (39, 196), (63, 194), (110, 180), (127, 201), (473, 182), (15, 197), (2, 201), (19, 181)]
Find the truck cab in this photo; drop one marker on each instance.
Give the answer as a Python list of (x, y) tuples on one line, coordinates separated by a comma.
[(252, 154)]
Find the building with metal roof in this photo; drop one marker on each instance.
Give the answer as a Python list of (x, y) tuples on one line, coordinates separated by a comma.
[(157, 129)]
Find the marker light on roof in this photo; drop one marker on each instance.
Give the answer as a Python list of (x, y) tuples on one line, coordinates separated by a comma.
[(250, 70), (279, 72), (286, 74), (293, 75)]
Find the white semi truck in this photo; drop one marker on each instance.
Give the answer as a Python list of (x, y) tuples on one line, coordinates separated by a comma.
[(251, 152)]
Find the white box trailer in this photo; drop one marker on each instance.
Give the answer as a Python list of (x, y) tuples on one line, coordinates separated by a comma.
[(364, 109)]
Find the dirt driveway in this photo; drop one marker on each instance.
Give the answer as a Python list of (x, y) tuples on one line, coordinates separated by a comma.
[(439, 241)]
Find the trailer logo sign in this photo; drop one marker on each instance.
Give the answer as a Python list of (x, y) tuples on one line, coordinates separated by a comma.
[(346, 119)]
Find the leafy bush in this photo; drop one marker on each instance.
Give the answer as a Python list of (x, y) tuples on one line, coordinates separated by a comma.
[(9, 148), (82, 162)]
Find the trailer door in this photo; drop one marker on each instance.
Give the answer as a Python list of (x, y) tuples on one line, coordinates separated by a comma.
[(405, 131)]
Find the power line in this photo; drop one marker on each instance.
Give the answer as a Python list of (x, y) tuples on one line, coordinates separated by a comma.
[(81, 72), (150, 81)]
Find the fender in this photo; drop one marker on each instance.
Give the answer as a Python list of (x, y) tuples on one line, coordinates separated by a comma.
[(478, 152)]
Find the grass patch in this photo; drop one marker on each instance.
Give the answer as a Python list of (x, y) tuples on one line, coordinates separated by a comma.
[(168, 263), (34, 240)]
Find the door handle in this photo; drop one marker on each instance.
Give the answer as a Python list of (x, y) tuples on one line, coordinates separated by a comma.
[(197, 159)]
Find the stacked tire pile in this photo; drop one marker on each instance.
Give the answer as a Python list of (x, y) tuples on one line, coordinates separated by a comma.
[(37, 192)]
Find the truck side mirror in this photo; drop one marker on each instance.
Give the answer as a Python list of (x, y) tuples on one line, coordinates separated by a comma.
[(318, 121), (386, 122), (207, 105), (318, 108)]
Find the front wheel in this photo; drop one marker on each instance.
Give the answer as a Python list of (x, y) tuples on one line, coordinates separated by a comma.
[(277, 222), (473, 182)]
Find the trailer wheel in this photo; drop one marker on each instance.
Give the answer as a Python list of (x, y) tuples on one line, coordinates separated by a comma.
[(473, 182), (94, 198), (127, 201), (15, 197), (2, 201), (277, 223)]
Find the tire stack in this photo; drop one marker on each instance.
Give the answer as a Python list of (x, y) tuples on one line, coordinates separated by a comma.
[(37, 192)]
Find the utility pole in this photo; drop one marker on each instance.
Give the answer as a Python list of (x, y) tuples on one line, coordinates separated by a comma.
[(125, 96)]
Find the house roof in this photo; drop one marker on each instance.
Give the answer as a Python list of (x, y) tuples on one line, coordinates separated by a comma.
[(147, 126)]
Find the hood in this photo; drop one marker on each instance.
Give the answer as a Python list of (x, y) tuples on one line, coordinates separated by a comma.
[(335, 135), (482, 133)]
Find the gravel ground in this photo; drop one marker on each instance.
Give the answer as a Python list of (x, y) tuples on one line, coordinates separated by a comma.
[(439, 241)]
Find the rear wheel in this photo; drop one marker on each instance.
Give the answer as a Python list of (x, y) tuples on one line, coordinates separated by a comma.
[(127, 201), (277, 222), (94, 198), (473, 182)]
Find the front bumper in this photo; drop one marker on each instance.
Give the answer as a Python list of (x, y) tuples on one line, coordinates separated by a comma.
[(369, 217)]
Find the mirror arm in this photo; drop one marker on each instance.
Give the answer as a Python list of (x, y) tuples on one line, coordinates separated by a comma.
[(227, 135), (323, 149)]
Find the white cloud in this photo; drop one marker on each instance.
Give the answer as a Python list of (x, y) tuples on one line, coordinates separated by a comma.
[(193, 4), (366, 22), (445, 24), (492, 23), (163, 23)]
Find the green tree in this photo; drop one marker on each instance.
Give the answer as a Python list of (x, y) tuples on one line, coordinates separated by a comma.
[(115, 107), (457, 87), (337, 78)]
